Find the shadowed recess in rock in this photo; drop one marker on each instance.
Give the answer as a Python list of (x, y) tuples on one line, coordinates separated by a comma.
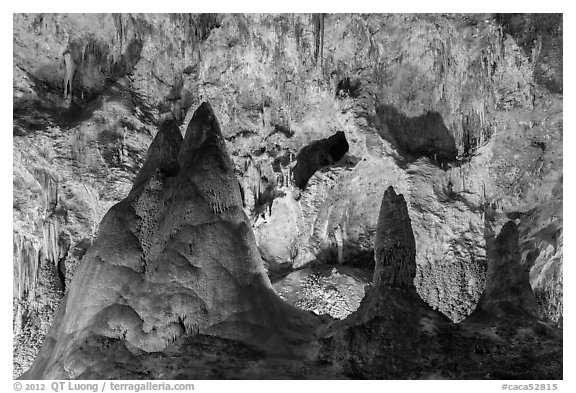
[(127, 61), (47, 109), (318, 154), (162, 153), (424, 135), (260, 188), (96, 71), (96, 67), (348, 87)]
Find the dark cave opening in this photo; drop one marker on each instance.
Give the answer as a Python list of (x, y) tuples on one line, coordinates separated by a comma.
[(318, 154), (348, 87), (353, 256)]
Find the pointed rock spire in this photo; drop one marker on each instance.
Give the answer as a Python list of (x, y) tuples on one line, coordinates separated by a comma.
[(508, 291), (162, 153), (395, 248), (203, 133), (177, 258)]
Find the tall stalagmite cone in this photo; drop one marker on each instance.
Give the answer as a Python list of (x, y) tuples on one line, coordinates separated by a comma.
[(393, 333), (395, 248), (176, 258), (202, 130), (162, 153), (508, 291)]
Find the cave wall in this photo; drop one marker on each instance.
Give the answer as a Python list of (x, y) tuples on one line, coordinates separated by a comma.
[(463, 76)]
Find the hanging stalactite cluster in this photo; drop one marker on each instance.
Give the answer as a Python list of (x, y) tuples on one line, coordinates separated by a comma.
[(26, 262), (42, 250), (197, 27)]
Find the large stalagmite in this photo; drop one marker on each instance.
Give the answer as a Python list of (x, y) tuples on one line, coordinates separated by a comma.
[(394, 334), (393, 331), (508, 292), (176, 258), (395, 249)]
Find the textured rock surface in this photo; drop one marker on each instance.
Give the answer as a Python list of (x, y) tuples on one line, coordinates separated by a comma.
[(174, 285), (487, 89), (508, 292), (391, 309), (89, 147), (175, 258), (394, 334), (450, 245), (394, 250), (333, 291), (66, 177)]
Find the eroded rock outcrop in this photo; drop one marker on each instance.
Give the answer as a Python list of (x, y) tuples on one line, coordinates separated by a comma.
[(176, 258)]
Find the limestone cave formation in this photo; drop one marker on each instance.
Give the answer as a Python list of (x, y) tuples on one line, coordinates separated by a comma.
[(288, 196)]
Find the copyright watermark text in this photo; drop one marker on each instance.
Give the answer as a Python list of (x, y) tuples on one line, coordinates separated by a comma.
[(104, 386), (529, 386)]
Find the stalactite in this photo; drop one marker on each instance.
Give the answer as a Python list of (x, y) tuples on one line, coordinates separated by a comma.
[(26, 265), (260, 184), (50, 189), (205, 24), (119, 23), (94, 203), (51, 250), (316, 21), (298, 30), (321, 42)]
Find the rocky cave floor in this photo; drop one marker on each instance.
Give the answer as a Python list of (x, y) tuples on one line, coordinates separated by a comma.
[(281, 189)]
